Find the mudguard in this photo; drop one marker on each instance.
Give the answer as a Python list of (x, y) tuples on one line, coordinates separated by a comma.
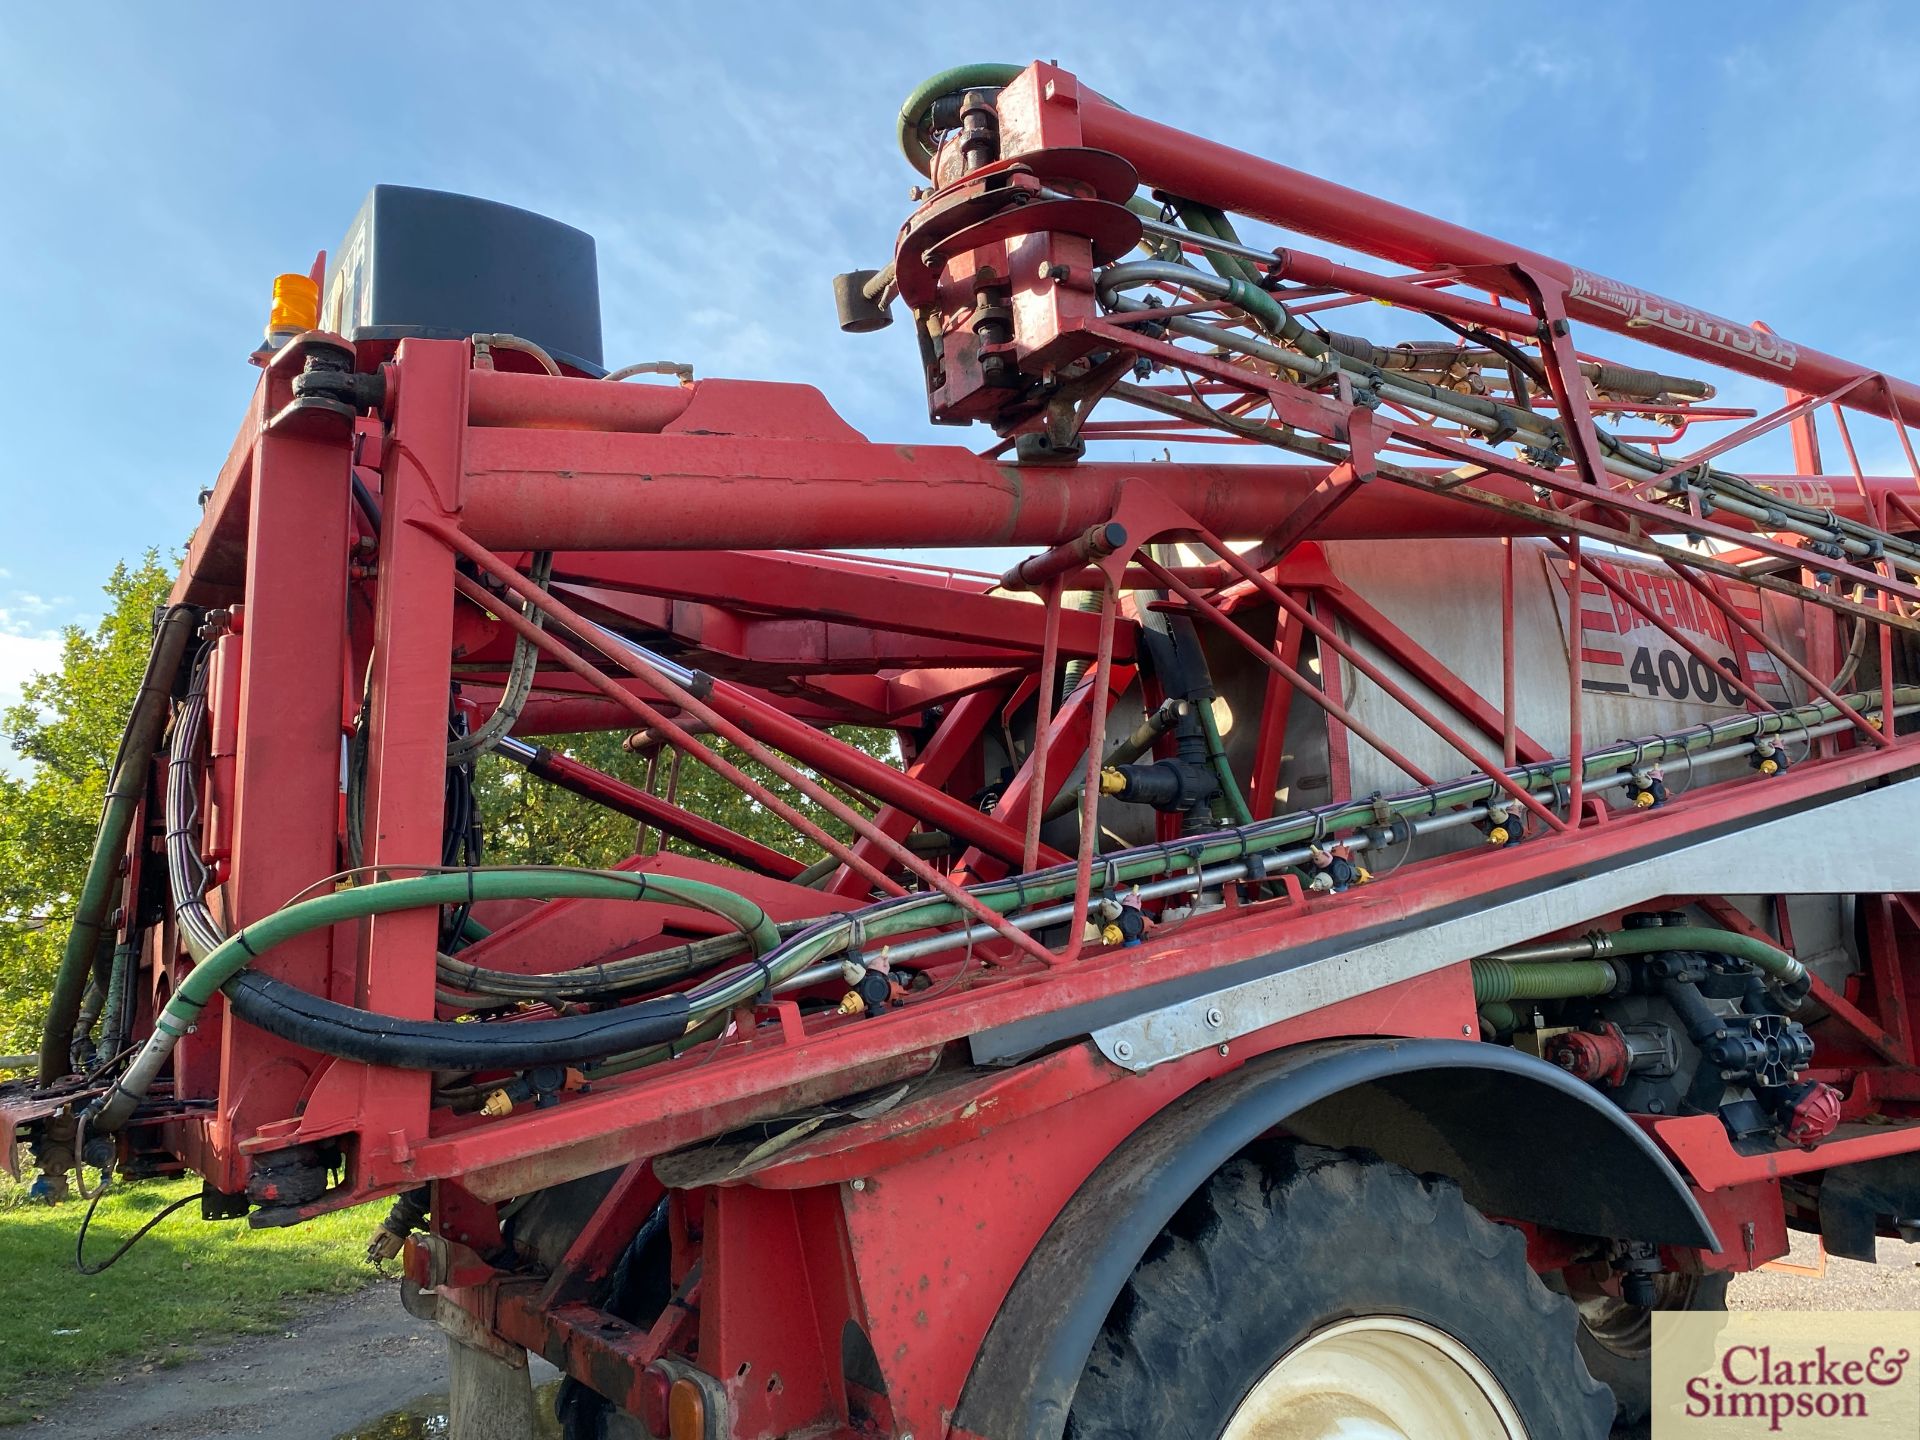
[(1524, 1139)]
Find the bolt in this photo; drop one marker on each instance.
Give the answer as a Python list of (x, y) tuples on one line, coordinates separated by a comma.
[(1467, 1030), (1223, 1049), (1123, 1051), (858, 1183), (1215, 1018)]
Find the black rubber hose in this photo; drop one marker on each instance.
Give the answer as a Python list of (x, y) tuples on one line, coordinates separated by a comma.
[(333, 1029)]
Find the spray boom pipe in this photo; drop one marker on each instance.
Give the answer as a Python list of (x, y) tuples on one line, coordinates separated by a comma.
[(1421, 808)]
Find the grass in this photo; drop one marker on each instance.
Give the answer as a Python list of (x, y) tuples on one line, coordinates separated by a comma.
[(187, 1281)]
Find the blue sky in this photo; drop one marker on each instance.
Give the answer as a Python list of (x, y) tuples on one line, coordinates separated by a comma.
[(162, 163)]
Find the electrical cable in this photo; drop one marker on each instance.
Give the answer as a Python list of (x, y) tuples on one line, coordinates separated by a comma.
[(80, 1240)]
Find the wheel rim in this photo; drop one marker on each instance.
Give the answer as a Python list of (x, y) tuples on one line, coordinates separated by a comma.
[(1379, 1377), (1627, 1330)]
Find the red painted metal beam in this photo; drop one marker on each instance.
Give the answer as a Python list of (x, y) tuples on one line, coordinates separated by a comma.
[(765, 583), (603, 789)]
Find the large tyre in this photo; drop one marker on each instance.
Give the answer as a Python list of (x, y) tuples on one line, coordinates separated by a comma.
[(1307, 1292), (1616, 1339)]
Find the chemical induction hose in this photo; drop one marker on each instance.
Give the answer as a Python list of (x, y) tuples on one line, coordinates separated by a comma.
[(126, 783), (293, 1014)]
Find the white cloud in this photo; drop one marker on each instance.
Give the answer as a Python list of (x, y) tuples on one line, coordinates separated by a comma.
[(21, 656)]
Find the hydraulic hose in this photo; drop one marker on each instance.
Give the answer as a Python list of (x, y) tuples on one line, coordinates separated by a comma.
[(381, 1039), (520, 675), (386, 1040), (186, 875), (1716, 489), (1217, 757), (126, 783), (589, 982), (308, 1020)]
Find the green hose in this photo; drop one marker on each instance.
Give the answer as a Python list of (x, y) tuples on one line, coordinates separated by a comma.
[(1501, 980), (1496, 980), (985, 75), (1207, 221), (1769, 959), (415, 892), (1499, 1017), (126, 784), (1217, 753), (420, 892)]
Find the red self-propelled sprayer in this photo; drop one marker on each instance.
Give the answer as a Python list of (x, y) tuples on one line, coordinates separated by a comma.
[(1391, 891)]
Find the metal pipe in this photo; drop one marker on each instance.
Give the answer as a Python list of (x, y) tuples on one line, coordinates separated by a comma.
[(605, 790), (510, 399), (527, 489)]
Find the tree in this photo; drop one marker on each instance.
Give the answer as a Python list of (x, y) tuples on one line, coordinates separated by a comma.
[(67, 725), (528, 821)]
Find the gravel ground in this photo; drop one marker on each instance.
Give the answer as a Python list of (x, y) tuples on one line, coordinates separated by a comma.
[(353, 1369), (1893, 1284)]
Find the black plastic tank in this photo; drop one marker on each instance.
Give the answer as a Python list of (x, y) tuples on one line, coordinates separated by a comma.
[(440, 266)]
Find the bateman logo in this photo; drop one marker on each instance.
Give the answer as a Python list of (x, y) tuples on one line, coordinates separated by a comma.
[(1638, 307), (1751, 1383), (1720, 1376)]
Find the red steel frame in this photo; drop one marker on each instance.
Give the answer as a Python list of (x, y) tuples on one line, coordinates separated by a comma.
[(664, 503)]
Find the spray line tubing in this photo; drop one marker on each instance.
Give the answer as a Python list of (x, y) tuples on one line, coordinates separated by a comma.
[(1222, 857)]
